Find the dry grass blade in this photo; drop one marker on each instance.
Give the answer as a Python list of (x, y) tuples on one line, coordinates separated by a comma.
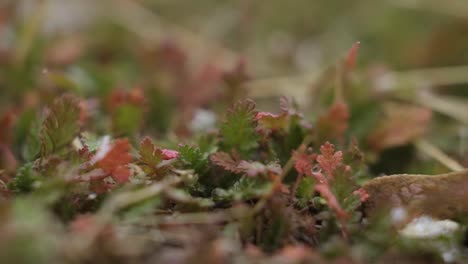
[(434, 152)]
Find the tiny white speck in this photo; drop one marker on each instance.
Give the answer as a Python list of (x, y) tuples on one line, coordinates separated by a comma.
[(104, 148), (398, 215)]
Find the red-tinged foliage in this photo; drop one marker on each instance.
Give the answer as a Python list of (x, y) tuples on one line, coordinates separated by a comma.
[(303, 162), (60, 125), (272, 122), (335, 122), (352, 56), (152, 155), (149, 153), (329, 160), (261, 115), (342, 215), (363, 194), (116, 160), (121, 174), (168, 154), (225, 161)]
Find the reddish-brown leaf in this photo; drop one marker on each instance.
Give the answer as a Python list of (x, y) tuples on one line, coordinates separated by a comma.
[(116, 160), (225, 161), (303, 162)]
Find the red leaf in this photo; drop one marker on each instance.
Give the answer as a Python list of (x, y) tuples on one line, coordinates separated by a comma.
[(303, 161), (121, 174), (363, 194), (352, 56), (116, 159), (329, 160)]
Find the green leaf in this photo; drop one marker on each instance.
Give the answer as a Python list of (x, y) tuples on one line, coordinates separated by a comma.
[(24, 179), (238, 130), (149, 153), (244, 189), (61, 125), (194, 158), (305, 191), (32, 145)]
